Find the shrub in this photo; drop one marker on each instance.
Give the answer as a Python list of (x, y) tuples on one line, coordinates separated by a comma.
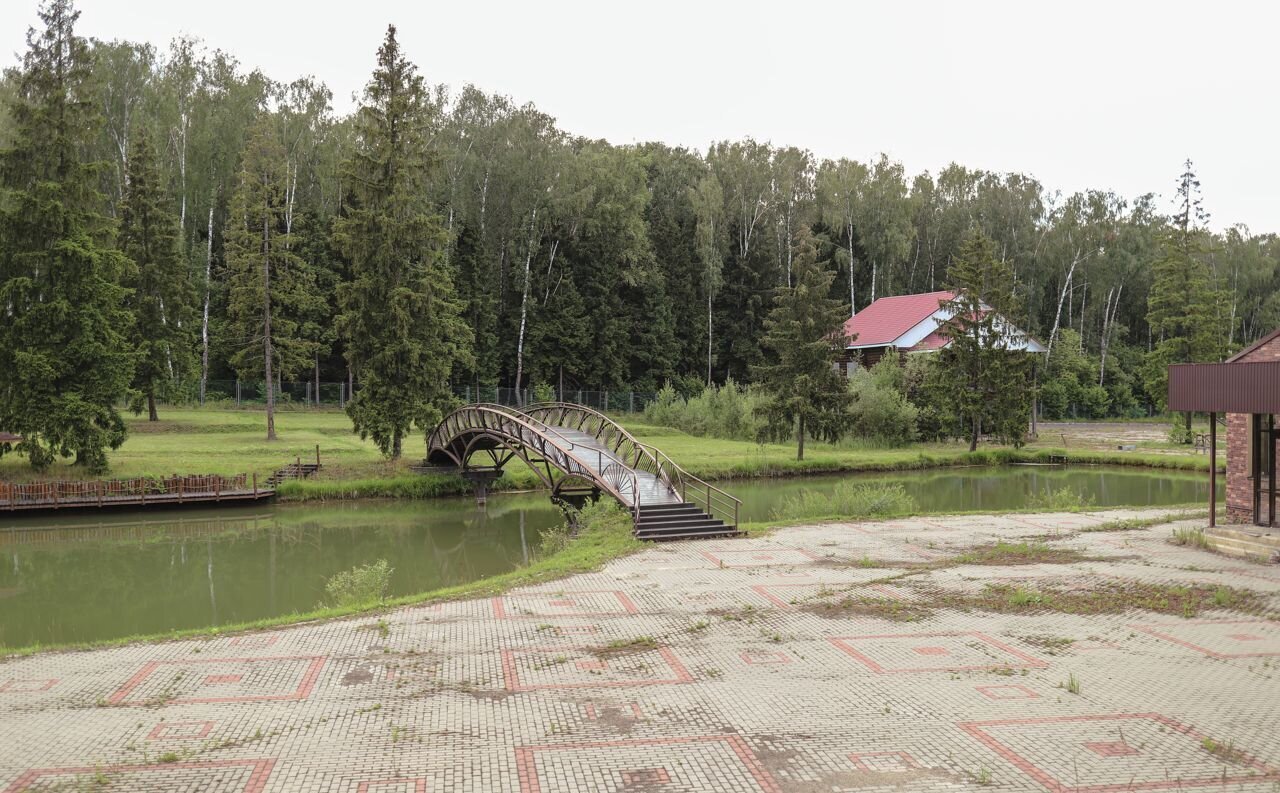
[(1064, 499), (1053, 399), (543, 393), (362, 584), (1094, 401), (848, 500), (879, 411), (727, 411), (1178, 432)]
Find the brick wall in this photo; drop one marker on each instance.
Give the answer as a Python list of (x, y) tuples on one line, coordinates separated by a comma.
[(1239, 486)]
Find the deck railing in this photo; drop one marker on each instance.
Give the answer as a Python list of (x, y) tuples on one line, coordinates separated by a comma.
[(98, 491)]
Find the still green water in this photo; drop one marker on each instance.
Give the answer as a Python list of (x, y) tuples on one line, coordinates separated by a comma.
[(83, 577)]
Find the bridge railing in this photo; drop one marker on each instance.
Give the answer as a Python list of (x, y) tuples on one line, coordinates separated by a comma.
[(615, 475), (714, 501), (641, 457)]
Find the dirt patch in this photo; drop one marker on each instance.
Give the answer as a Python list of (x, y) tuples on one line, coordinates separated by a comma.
[(1052, 645), (624, 647), (357, 676)]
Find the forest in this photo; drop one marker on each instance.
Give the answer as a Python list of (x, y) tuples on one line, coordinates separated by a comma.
[(578, 263)]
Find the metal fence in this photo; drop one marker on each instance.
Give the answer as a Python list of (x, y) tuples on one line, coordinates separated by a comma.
[(336, 394), (243, 392), (611, 401)]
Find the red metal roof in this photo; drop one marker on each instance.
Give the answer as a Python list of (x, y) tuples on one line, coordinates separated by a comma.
[(886, 319), (934, 341)]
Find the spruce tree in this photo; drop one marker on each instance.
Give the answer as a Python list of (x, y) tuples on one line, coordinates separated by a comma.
[(270, 289), (401, 323), (806, 394), (64, 356), (163, 298), (1182, 306), (982, 378)]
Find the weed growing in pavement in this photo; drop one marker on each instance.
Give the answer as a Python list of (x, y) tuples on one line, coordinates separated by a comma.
[(1227, 752), (1072, 685), (1014, 553), (624, 647), (1192, 537), (1051, 644)]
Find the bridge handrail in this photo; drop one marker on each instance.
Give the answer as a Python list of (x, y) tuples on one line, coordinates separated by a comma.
[(718, 502), (651, 460), (609, 477), (612, 432)]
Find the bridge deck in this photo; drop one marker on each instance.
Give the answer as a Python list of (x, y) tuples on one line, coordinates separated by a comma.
[(599, 457)]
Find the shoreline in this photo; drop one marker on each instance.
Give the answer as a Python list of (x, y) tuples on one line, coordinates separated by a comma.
[(592, 549)]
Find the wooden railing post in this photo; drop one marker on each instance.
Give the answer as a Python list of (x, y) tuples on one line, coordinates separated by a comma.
[(317, 455), (255, 485)]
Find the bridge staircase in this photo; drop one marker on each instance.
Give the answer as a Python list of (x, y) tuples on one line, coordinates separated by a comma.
[(576, 450)]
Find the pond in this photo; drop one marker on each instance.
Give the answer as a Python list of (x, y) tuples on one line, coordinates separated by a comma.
[(84, 577)]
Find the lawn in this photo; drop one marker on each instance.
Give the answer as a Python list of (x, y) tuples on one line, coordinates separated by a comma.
[(229, 441)]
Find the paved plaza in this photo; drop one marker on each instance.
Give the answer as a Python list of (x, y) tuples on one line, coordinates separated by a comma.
[(840, 657)]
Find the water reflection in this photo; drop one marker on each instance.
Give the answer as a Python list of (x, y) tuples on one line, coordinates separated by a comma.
[(81, 579)]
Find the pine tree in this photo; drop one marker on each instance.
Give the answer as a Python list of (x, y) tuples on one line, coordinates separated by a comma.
[(807, 396), (982, 378), (163, 298), (400, 322), (1182, 306), (270, 288), (64, 353)]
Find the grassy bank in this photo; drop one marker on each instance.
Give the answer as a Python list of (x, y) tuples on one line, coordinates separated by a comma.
[(229, 441)]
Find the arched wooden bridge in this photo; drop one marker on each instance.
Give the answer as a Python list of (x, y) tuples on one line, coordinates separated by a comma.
[(577, 451)]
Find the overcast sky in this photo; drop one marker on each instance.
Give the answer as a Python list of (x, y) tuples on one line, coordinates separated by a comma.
[(1110, 95)]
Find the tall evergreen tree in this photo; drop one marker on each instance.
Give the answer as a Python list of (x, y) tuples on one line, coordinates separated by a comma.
[(270, 289), (163, 299), (63, 348), (982, 377), (1182, 306), (807, 396), (400, 321)]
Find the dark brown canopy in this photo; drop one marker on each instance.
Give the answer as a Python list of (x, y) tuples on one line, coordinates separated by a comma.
[(1225, 387)]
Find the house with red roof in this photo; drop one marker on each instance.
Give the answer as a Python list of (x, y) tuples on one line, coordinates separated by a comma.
[(908, 324)]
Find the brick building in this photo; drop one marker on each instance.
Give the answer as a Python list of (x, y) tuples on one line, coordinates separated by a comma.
[(1251, 468), (1246, 388)]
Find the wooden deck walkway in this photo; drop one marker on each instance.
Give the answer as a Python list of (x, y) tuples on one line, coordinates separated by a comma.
[(143, 492)]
